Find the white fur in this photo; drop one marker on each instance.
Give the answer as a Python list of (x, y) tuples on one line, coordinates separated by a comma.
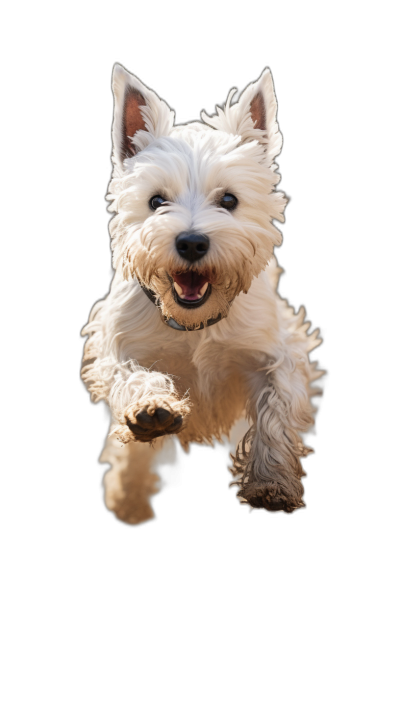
[(256, 358)]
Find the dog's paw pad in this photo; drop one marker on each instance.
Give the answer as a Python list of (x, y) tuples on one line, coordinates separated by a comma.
[(162, 415), (136, 429), (175, 426), (144, 419), (147, 424)]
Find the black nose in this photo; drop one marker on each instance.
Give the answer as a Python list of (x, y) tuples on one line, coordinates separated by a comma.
[(192, 246)]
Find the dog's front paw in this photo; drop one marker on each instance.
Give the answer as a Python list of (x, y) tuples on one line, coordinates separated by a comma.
[(272, 495), (146, 422)]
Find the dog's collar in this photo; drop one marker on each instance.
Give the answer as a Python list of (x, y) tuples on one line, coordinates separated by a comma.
[(173, 323)]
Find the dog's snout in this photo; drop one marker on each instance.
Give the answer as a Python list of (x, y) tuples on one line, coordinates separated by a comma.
[(192, 246)]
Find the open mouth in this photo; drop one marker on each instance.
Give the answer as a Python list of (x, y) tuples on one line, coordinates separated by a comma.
[(190, 289)]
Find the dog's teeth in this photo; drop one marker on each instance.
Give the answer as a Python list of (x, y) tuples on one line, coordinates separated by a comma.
[(203, 289), (178, 289)]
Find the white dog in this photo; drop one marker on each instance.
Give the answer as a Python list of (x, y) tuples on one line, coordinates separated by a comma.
[(193, 334)]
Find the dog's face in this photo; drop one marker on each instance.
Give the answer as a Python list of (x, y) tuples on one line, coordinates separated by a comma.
[(194, 204)]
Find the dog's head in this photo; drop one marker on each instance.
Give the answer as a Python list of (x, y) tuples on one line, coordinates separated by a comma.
[(194, 204)]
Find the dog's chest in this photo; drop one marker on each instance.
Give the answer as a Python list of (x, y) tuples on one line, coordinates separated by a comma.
[(204, 368), (215, 377)]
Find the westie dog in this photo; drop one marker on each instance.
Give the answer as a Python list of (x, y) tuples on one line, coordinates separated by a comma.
[(193, 335)]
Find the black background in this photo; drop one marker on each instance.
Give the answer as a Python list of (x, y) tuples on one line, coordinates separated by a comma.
[(199, 522)]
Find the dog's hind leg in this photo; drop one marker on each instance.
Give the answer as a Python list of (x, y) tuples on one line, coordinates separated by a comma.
[(131, 481)]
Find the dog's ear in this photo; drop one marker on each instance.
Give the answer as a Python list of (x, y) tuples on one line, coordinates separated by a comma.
[(139, 115), (253, 116), (259, 101)]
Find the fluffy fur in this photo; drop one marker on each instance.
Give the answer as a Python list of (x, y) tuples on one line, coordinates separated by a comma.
[(198, 382)]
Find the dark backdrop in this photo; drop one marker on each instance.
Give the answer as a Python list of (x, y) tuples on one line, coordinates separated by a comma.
[(198, 517)]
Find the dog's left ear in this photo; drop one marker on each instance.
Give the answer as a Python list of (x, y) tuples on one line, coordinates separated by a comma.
[(140, 116), (253, 116)]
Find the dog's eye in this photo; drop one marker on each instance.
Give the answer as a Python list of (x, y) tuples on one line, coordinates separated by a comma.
[(228, 201), (156, 202)]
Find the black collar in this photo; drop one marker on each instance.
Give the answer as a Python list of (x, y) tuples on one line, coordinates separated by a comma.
[(170, 321)]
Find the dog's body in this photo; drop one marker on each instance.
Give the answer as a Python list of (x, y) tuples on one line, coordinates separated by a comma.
[(193, 334)]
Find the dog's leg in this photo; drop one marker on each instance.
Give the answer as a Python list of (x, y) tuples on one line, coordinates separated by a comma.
[(267, 464), (145, 404), (132, 479)]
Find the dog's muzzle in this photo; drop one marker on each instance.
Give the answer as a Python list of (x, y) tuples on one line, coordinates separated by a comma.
[(190, 290)]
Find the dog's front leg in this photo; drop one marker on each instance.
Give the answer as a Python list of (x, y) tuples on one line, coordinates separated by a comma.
[(145, 404), (267, 463)]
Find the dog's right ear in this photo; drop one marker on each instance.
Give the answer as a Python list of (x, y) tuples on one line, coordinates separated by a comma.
[(140, 116)]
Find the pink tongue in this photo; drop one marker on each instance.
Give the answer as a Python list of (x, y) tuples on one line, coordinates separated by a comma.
[(191, 284)]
